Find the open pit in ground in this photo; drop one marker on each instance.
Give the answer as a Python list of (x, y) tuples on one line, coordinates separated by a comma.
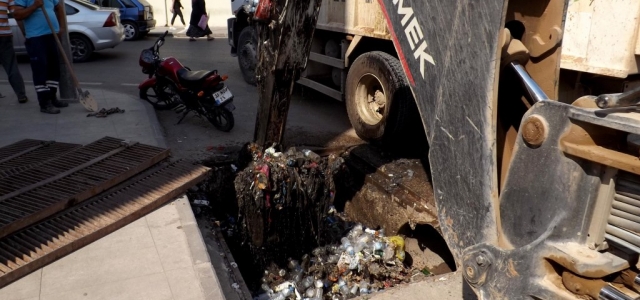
[(261, 220)]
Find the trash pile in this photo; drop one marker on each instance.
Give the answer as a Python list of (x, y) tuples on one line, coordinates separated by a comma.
[(281, 206), (283, 198), (364, 262)]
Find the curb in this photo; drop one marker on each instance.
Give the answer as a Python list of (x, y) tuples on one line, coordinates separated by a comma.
[(200, 256)]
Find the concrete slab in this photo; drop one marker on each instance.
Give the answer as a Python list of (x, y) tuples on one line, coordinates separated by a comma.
[(160, 256)]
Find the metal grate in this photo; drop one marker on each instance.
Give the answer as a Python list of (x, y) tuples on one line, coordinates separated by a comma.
[(38, 245), (30, 153), (34, 194), (19, 147), (623, 224)]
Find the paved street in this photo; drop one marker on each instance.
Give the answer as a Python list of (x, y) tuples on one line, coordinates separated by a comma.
[(314, 119)]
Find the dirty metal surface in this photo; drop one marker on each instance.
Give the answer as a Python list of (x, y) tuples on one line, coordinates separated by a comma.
[(283, 50), (32, 195), (391, 192), (26, 154), (43, 243), (453, 70), (19, 147)]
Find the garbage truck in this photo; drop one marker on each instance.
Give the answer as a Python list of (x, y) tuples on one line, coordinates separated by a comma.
[(351, 39), (530, 109)]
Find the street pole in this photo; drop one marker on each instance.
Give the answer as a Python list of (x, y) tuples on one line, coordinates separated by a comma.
[(66, 87), (166, 15), (284, 46)]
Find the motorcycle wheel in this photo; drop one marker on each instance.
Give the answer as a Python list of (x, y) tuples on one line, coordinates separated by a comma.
[(162, 96), (221, 118)]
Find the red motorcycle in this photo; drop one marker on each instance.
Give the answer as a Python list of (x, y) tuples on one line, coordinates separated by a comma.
[(171, 84)]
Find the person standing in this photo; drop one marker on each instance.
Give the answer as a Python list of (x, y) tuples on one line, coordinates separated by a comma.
[(198, 10), (177, 11), (42, 48), (7, 54)]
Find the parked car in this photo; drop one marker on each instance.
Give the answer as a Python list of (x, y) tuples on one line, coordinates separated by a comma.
[(136, 16), (91, 28)]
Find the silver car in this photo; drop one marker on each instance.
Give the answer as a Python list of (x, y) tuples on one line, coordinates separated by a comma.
[(91, 28)]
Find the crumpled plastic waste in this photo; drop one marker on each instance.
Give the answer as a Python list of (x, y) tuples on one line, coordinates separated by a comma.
[(364, 262)]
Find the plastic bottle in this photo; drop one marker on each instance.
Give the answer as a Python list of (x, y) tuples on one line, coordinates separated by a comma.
[(279, 296), (265, 287), (344, 288), (333, 259), (307, 282), (389, 252), (364, 287), (297, 276), (345, 242), (287, 291), (378, 246), (293, 264), (354, 290), (319, 251), (355, 233), (358, 247), (319, 284), (318, 294), (310, 292), (351, 251)]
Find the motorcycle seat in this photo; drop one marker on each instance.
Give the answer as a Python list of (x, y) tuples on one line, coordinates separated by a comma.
[(194, 76)]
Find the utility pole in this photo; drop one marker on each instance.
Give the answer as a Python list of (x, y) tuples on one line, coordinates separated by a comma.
[(283, 49), (166, 15), (67, 90)]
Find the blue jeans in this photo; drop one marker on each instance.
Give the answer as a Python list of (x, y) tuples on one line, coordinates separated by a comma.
[(10, 64), (45, 66)]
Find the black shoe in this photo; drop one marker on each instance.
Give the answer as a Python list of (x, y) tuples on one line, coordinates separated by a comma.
[(58, 103), (23, 99), (50, 110)]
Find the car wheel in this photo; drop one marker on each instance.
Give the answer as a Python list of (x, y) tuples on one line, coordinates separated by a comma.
[(81, 48), (131, 31)]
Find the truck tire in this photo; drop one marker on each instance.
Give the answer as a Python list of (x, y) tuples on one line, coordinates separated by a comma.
[(248, 54), (379, 101)]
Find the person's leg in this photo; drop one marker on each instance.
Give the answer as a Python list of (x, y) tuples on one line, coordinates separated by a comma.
[(181, 17), (208, 32), (175, 14), (10, 64), (53, 71), (36, 48)]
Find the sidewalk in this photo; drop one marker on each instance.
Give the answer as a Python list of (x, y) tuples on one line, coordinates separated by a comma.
[(181, 32), (161, 256)]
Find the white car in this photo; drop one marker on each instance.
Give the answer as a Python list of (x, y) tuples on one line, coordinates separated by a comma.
[(91, 28)]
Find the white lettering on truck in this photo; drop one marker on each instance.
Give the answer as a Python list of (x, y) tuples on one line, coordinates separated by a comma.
[(414, 34)]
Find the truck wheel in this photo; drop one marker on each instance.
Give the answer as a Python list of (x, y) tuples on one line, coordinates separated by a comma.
[(379, 101), (248, 54)]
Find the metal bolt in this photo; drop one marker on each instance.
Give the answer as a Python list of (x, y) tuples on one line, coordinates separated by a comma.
[(481, 260), (534, 131)]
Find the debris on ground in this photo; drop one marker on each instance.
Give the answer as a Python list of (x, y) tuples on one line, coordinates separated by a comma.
[(103, 113), (365, 261), (283, 198), (272, 205)]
